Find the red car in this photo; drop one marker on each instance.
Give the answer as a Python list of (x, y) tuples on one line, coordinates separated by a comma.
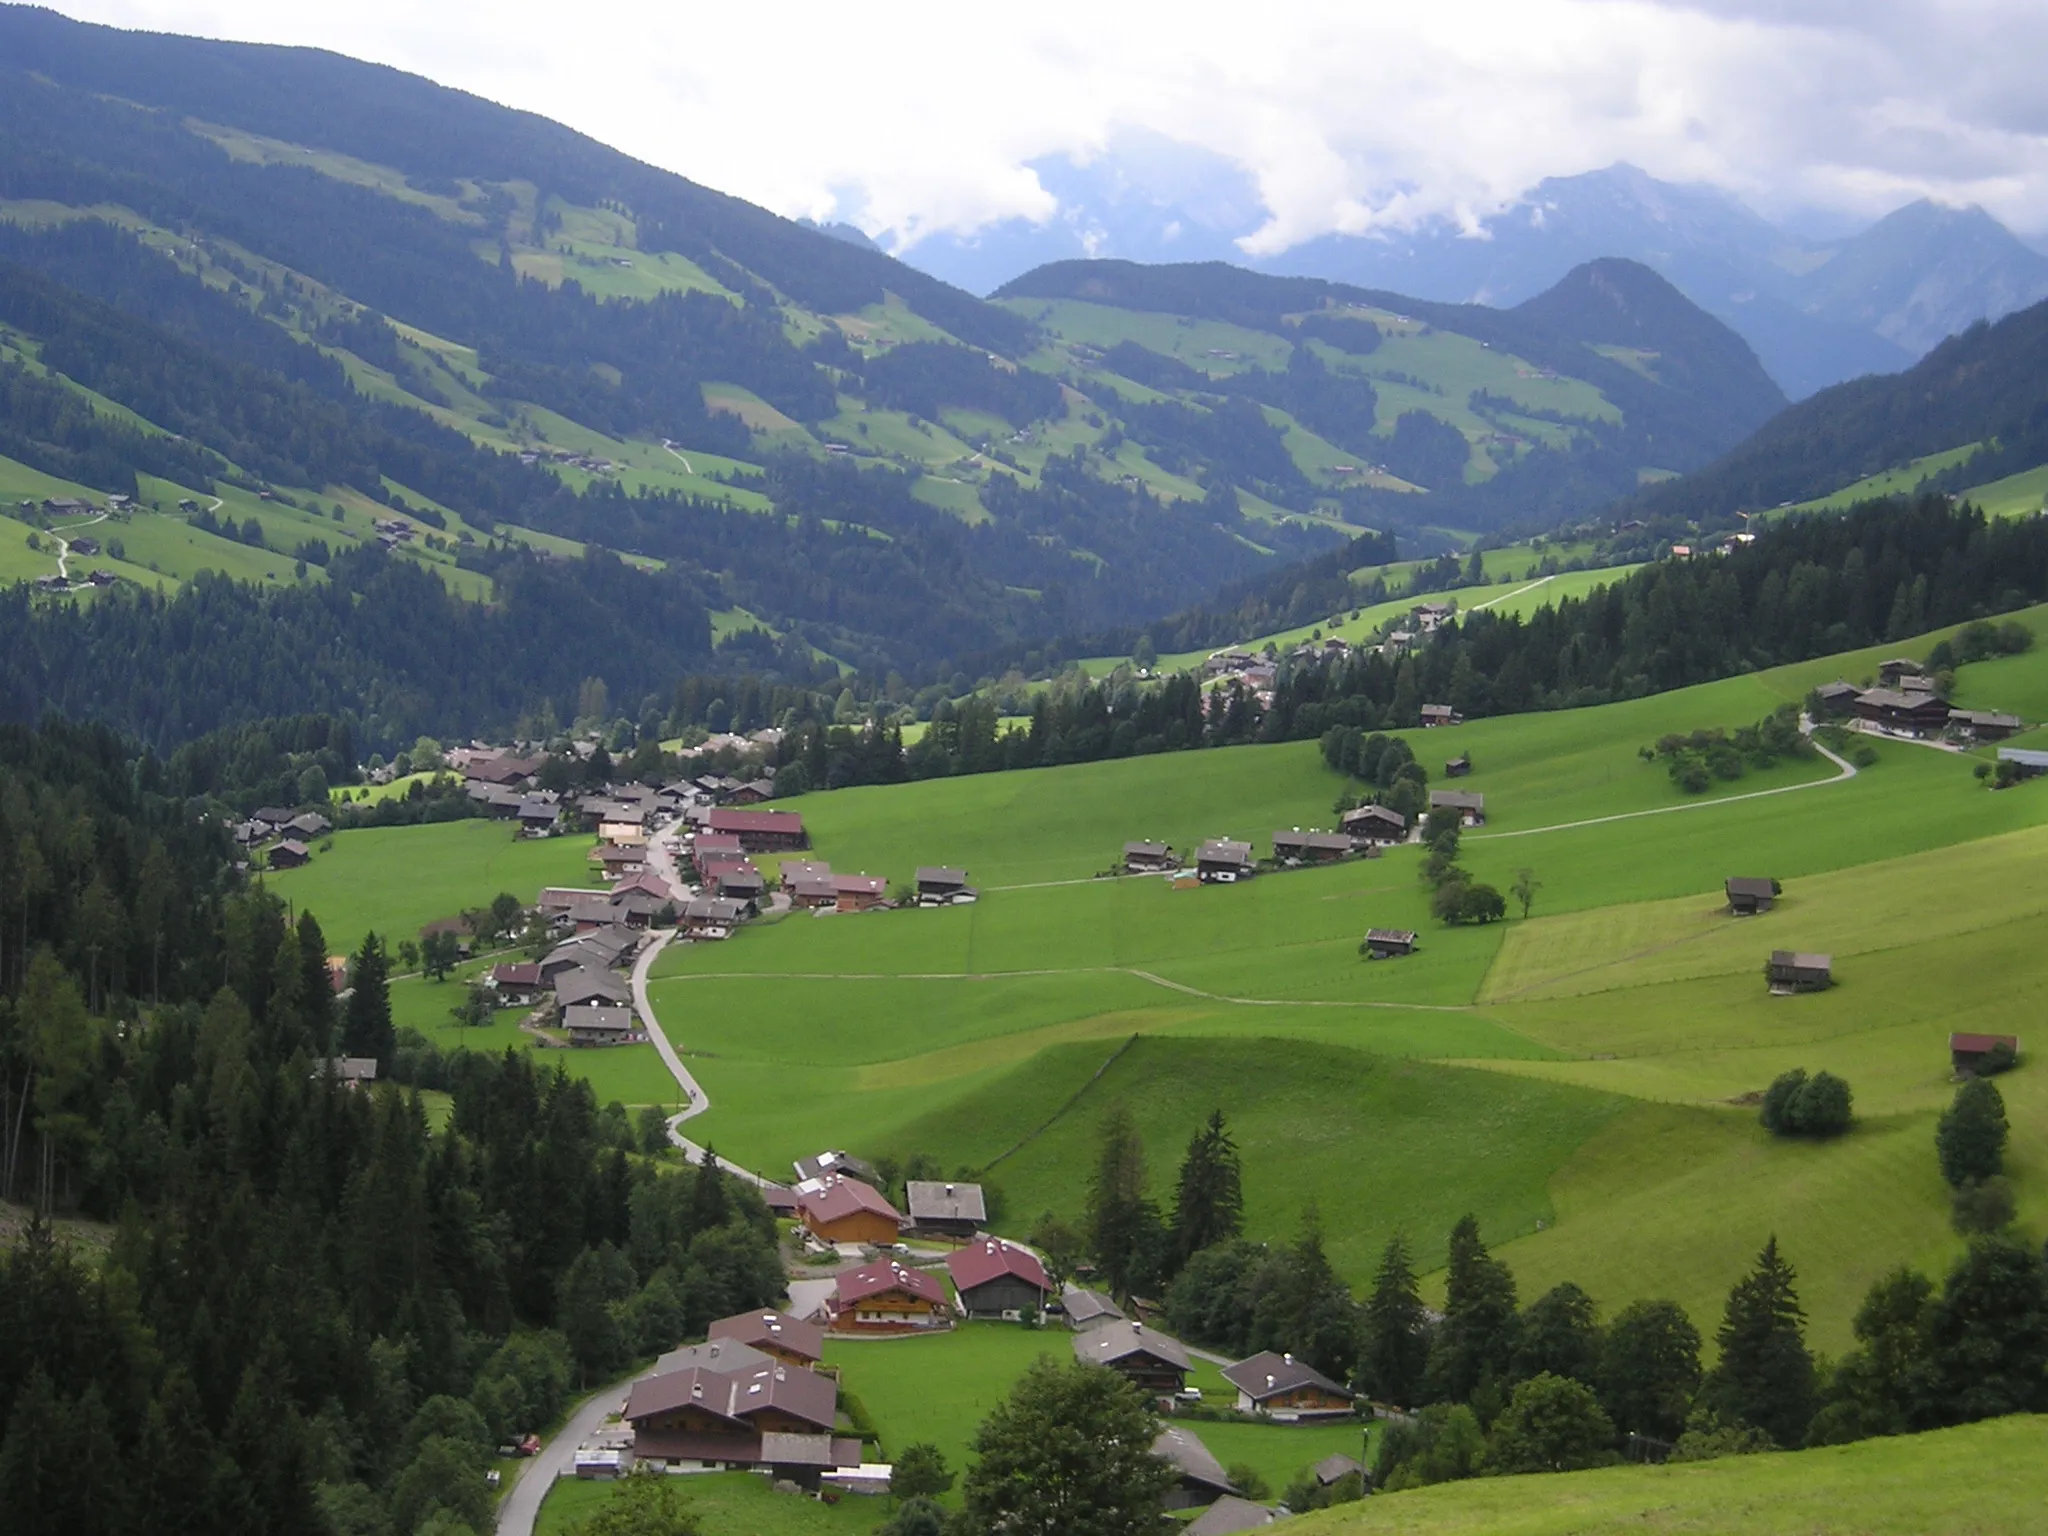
[(530, 1446)]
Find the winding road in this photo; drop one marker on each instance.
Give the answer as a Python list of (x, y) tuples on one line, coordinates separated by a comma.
[(64, 544)]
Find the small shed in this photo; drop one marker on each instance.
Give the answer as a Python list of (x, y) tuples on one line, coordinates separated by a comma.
[(1458, 767), (1836, 698), (1749, 894), (1087, 1309), (1966, 1053), (1794, 971), (1389, 943)]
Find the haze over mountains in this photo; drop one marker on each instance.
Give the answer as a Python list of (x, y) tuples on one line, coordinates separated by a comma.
[(1816, 311)]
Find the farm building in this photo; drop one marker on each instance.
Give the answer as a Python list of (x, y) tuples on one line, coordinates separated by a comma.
[(821, 1164), (598, 1024), (776, 1334), (586, 984), (1458, 767), (949, 1210), (939, 886), (1155, 1363), (859, 893), (1966, 1053), (537, 816), (1430, 617), (289, 854), (1088, 1309), (1837, 698), (793, 870), (1749, 895), (1471, 807), (1149, 859), (620, 859), (352, 1071), (721, 845), (2029, 763), (1389, 943), (763, 831), (1334, 1469), (1789, 971), (1201, 1479), (1983, 724), (1890, 672), (1221, 861), (767, 1415), (1440, 714), (1298, 847), (845, 1210), (309, 826), (998, 1279), (812, 893), (1375, 824), (1229, 1515), (1906, 714), (1284, 1388), (887, 1297), (517, 986), (753, 792)]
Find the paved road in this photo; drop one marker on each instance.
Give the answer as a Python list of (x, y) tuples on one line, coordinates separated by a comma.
[(556, 1459)]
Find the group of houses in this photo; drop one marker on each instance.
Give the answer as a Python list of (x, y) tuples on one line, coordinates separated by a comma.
[(1907, 703), (581, 980), (1362, 832), (288, 833)]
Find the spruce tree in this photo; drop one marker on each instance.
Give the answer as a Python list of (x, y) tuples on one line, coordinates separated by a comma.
[(1123, 1226), (1765, 1378), (1559, 1333), (1393, 1348), (1970, 1139), (1208, 1204), (367, 1029), (1650, 1369), (1475, 1342)]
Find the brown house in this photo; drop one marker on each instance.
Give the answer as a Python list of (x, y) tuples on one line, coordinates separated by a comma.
[(811, 893), (1222, 862), (289, 855), (1281, 1387), (707, 1417), (1983, 724), (598, 1024), (1748, 895), (1907, 714), (844, 1210), (1298, 847), (793, 870), (887, 1297), (1789, 971), (1389, 943), (763, 831), (939, 886), (859, 893), (1149, 859), (1155, 1363), (996, 1279), (1471, 807), (1966, 1053), (1200, 1480), (1458, 767), (1440, 714), (776, 1334), (1374, 824)]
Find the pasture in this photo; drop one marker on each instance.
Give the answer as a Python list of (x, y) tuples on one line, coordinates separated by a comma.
[(723, 1501)]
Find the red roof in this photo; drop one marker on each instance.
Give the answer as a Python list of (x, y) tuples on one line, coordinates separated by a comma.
[(881, 1277), (711, 869), (840, 1197), (859, 885), (516, 975), (1978, 1043), (773, 1330), (716, 842), (990, 1259), (737, 1395), (789, 823)]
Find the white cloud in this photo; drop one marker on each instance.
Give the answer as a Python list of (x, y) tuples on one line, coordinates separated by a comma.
[(918, 117)]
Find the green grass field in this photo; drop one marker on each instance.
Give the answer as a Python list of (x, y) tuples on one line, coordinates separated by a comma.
[(1987, 1479), (733, 1502)]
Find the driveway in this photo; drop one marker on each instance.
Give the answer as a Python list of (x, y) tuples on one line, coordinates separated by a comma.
[(556, 1459)]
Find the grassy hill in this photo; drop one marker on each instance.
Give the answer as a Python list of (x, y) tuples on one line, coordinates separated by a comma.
[(1982, 1479)]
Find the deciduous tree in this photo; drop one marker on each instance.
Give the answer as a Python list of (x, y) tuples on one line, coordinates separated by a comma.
[(1068, 1453)]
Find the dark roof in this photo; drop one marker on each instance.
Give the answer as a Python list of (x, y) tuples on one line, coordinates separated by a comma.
[(714, 1354), (767, 1329), (939, 874), (1456, 800), (1329, 842), (1390, 935), (1798, 961), (1373, 813), (1146, 850), (1270, 1374), (736, 1394), (788, 823), (819, 1164), (1891, 698), (1989, 717), (1331, 1468), (715, 909), (1121, 1340), (935, 1200), (1750, 885), (810, 1451), (588, 1016), (991, 1259), (584, 985), (527, 975), (1183, 1449), (1221, 850), (1228, 1515), (859, 885), (1084, 1306), (1837, 690)]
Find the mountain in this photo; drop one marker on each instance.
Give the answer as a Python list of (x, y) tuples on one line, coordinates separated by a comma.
[(1984, 392), (1815, 312)]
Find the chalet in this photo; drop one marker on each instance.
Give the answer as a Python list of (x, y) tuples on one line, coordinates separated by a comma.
[(1471, 807), (536, 815), (274, 817), (775, 1334), (1223, 663), (1374, 824), (500, 770), (793, 870), (1440, 714), (1458, 767), (1200, 1479), (1749, 895), (1889, 672), (352, 1071), (713, 917), (938, 886), (2026, 762), (1278, 1386), (586, 984), (517, 986), (1790, 971), (1983, 724), (589, 914), (707, 847), (741, 882), (1229, 1515), (1905, 714), (753, 792), (846, 1210), (763, 831), (997, 1279), (554, 900), (289, 854), (822, 1164), (1299, 847), (704, 1418), (1153, 1362), (1837, 698), (1430, 617), (645, 883), (1223, 862), (946, 1210), (620, 859), (887, 1297), (623, 828), (85, 546), (637, 909), (1149, 859), (1389, 943), (1087, 1309), (1966, 1053), (307, 827), (599, 1024), (812, 893), (859, 893)]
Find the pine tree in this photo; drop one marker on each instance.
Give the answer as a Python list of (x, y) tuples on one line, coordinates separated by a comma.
[(1123, 1226), (1208, 1204), (1394, 1342), (1765, 1378), (1559, 1333), (367, 1028), (316, 988), (1474, 1344)]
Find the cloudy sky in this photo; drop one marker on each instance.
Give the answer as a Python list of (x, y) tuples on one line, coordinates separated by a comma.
[(917, 117)]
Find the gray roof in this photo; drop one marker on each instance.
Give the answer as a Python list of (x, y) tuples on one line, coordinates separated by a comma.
[(1084, 1306), (584, 985), (717, 1355), (938, 1201), (1228, 1514), (2026, 757), (1222, 850), (1331, 1468), (353, 1069), (1146, 850), (1269, 1374), (611, 1020), (1456, 800), (1121, 1340), (1750, 885), (939, 874), (1195, 1462), (1334, 842), (1800, 961), (1891, 698), (1985, 717)]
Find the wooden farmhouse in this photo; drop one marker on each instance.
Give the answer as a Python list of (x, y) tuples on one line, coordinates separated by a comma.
[(1223, 862), (597, 1024), (1200, 1478), (714, 917), (859, 893), (289, 854), (1149, 859), (997, 1279), (587, 984), (1983, 724), (1389, 943), (887, 1297), (845, 1210), (1374, 824), (1155, 1363), (1789, 971), (1903, 714), (793, 870), (1966, 1053), (1749, 895), (940, 886), (811, 893), (1440, 714), (1471, 807), (762, 831), (1890, 672), (1837, 698), (1295, 846), (945, 1210), (775, 1334), (1087, 1309), (704, 1418), (1278, 1386)]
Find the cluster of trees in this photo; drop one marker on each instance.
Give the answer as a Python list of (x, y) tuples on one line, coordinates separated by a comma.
[(1798, 1105), (1695, 760), (1970, 1142), (1387, 764), (1455, 897)]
